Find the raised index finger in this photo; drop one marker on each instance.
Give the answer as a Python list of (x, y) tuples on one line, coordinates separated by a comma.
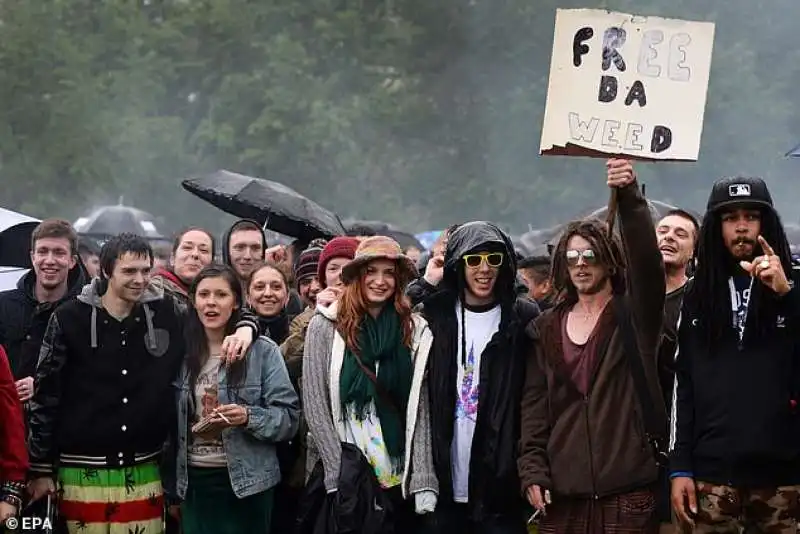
[(765, 246)]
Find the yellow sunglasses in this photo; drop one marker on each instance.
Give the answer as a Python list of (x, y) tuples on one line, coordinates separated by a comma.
[(492, 259)]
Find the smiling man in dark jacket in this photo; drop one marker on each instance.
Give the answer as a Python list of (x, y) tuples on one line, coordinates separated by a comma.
[(583, 441), (475, 378), (57, 277), (735, 439)]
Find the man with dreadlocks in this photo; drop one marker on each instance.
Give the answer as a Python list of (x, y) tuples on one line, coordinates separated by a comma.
[(735, 439), (585, 462)]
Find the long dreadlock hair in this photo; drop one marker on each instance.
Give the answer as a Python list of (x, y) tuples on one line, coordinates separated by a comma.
[(609, 253), (708, 296)]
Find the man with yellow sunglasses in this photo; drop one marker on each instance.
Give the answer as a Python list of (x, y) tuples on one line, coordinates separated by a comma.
[(476, 365)]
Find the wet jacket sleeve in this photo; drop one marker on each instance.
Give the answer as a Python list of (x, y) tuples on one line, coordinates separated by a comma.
[(13, 453), (681, 437), (789, 303), (292, 347), (46, 399), (532, 464), (645, 269), (248, 319), (278, 416), (419, 290)]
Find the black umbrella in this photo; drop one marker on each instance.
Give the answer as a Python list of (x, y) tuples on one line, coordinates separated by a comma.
[(404, 239), (273, 205), (658, 210), (15, 239), (108, 221)]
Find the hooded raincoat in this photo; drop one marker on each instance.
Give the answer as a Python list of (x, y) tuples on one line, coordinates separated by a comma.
[(493, 481)]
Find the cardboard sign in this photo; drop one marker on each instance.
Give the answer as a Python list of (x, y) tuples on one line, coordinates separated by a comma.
[(627, 85)]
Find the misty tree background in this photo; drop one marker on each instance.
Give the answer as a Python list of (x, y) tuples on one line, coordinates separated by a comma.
[(415, 112)]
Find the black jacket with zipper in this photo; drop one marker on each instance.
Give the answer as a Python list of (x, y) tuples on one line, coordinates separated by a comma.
[(23, 320), (735, 418), (493, 480)]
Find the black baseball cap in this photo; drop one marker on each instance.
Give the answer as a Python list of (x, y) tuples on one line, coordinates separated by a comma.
[(739, 191)]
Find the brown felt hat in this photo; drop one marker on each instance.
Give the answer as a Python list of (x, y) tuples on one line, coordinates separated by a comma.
[(378, 248)]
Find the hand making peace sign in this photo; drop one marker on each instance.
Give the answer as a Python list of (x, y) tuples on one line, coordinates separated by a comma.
[(768, 269)]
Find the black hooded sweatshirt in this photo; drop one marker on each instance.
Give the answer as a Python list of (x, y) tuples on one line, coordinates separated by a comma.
[(735, 414), (23, 319), (493, 480), (295, 306)]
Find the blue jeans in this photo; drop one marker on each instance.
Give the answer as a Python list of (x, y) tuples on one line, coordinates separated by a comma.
[(454, 518)]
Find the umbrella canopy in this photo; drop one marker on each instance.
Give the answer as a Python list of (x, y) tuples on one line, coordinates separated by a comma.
[(536, 241), (15, 238), (658, 210), (404, 239), (108, 221), (273, 205), (9, 276)]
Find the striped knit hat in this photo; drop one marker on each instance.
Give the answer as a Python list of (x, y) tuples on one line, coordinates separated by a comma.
[(308, 261)]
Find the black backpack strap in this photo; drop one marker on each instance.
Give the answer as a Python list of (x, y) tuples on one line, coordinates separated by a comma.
[(653, 431)]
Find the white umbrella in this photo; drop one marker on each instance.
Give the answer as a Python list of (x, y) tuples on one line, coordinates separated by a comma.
[(15, 237), (9, 276)]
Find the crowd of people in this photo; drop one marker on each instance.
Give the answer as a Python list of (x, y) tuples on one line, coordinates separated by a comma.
[(638, 379)]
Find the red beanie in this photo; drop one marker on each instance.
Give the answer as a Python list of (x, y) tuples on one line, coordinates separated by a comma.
[(338, 247)]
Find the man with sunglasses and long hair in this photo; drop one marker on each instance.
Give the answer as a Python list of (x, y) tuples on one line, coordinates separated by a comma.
[(586, 463), (475, 372)]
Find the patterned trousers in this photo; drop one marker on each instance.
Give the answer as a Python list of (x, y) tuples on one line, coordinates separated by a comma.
[(723, 509)]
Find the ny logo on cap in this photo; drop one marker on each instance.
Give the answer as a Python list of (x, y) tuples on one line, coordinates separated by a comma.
[(739, 190)]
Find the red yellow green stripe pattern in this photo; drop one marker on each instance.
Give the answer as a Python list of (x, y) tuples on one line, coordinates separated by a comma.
[(112, 501)]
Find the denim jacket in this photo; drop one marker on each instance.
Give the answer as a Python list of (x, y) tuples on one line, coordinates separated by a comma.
[(273, 411)]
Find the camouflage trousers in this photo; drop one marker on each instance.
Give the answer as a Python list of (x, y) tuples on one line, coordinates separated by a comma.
[(723, 509)]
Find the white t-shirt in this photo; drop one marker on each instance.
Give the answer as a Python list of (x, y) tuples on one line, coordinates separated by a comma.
[(480, 327), (207, 450)]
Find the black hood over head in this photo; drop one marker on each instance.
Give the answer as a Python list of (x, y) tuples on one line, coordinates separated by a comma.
[(226, 239), (473, 237)]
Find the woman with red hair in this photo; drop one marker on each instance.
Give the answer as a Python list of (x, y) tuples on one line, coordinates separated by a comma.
[(364, 385), (13, 453)]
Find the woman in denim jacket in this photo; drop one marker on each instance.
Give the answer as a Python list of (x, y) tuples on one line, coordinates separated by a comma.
[(229, 417)]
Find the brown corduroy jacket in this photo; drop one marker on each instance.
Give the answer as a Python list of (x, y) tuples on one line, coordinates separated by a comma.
[(595, 445)]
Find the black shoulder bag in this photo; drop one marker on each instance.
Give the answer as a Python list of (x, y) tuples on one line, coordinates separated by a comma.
[(653, 433)]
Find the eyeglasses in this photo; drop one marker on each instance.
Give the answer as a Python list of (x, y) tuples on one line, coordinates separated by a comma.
[(574, 257), (492, 259)]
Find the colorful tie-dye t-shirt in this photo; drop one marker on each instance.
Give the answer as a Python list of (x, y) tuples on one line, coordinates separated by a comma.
[(479, 327)]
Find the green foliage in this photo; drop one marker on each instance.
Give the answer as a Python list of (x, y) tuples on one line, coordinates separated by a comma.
[(418, 113)]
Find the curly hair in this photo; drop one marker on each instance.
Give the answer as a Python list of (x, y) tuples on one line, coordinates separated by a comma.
[(353, 307), (609, 253)]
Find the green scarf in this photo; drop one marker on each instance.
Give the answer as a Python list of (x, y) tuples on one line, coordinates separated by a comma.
[(380, 340)]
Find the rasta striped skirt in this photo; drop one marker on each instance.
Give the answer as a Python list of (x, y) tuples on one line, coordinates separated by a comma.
[(129, 500)]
